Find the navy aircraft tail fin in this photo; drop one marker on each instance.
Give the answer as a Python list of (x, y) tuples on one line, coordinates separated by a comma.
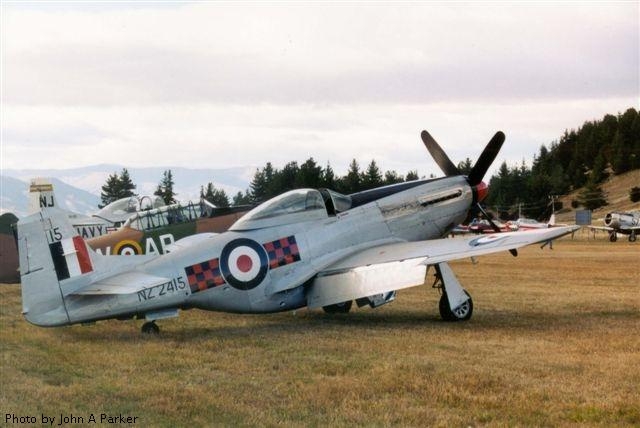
[(41, 195)]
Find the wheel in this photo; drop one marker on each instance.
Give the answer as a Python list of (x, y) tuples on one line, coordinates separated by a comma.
[(632, 236), (613, 237), (462, 313), (338, 308), (150, 328)]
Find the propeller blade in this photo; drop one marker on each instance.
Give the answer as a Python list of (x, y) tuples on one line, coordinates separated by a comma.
[(486, 158), (439, 155)]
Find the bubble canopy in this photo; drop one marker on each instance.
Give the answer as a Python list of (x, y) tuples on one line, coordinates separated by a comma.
[(290, 207)]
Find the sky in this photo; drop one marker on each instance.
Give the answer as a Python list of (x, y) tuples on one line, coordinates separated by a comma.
[(217, 84)]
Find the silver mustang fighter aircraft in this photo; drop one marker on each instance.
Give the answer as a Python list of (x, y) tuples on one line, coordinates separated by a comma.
[(306, 247)]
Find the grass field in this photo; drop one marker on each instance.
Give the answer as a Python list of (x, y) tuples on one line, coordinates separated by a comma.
[(554, 341)]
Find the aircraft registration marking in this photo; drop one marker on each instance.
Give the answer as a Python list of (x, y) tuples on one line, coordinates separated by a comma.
[(169, 287)]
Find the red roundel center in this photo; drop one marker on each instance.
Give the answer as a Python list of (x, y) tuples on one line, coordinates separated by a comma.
[(244, 263)]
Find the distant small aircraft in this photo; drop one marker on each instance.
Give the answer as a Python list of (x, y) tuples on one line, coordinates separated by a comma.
[(626, 223), (523, 223), (486, 226), (306, 247)]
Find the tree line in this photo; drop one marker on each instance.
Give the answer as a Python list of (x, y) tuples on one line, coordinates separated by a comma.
[(585, 157), (267, 182)]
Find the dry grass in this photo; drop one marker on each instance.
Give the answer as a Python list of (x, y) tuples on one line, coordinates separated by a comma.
[(555, 340)]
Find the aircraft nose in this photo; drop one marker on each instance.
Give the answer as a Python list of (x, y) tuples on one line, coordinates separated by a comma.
[(481, 190)]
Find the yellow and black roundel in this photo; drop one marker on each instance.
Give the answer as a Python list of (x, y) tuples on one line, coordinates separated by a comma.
[(127, 248), (244, 263)]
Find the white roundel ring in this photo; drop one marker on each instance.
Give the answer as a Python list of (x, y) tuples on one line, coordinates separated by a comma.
[(243, 263)]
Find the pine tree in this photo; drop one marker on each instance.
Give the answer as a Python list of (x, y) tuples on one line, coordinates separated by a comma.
[(592, 196), (117, 187), (412, 175), (372, 177), (392, 177), (286, 179), (328, 178), (165, 188), (241, 199), (309, 175), (109, 190), (126, 185), (352, 181), (598, 173), (217, 197), (465, 166)]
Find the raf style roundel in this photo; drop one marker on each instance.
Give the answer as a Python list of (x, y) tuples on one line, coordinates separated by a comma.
[(244, 263)]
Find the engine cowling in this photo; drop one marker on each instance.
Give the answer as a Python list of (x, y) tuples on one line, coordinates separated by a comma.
[(616, 220)]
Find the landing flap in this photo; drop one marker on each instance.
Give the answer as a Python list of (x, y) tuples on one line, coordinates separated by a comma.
[(364, 281)]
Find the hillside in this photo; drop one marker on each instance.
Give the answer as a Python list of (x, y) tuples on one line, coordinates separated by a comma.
[(616, 189)]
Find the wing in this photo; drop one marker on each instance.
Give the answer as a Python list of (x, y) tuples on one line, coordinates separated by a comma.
[(607, 228), (124, 283), (442, 250), (402, 265)]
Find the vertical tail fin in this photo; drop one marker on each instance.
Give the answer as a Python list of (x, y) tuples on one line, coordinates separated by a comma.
[(44, 250), (55, 263), (41, 195)]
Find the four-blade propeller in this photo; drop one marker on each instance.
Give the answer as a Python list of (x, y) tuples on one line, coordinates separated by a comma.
[(478, 171)]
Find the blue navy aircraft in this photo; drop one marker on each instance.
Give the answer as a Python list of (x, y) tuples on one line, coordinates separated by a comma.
[(305, 248)]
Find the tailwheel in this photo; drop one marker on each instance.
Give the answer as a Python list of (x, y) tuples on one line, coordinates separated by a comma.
[(150, 328), (461, 313), (338, 308)]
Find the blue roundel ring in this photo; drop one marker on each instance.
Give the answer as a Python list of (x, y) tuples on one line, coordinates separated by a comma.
[(244, 263)]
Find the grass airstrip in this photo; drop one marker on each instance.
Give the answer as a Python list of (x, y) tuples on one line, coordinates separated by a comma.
[(554, 341)]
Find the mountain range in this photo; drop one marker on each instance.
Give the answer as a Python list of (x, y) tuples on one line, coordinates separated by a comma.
[(78, 189)]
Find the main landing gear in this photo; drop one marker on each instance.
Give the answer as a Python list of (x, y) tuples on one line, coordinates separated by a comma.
[(455, 303), (151, 328)]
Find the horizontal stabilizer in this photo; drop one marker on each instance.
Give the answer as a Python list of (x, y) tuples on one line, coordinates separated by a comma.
[(124, 283)]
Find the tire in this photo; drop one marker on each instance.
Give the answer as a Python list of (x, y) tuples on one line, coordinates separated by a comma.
[(338, 308), (632, 236), (462, 313), (150, 328), (613, 237)]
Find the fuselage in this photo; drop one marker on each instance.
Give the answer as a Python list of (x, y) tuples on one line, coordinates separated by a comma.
[(263, 263)]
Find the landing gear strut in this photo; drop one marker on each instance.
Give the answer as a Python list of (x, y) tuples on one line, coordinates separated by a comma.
[(150, 327), (632, 236), (613, 237)]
